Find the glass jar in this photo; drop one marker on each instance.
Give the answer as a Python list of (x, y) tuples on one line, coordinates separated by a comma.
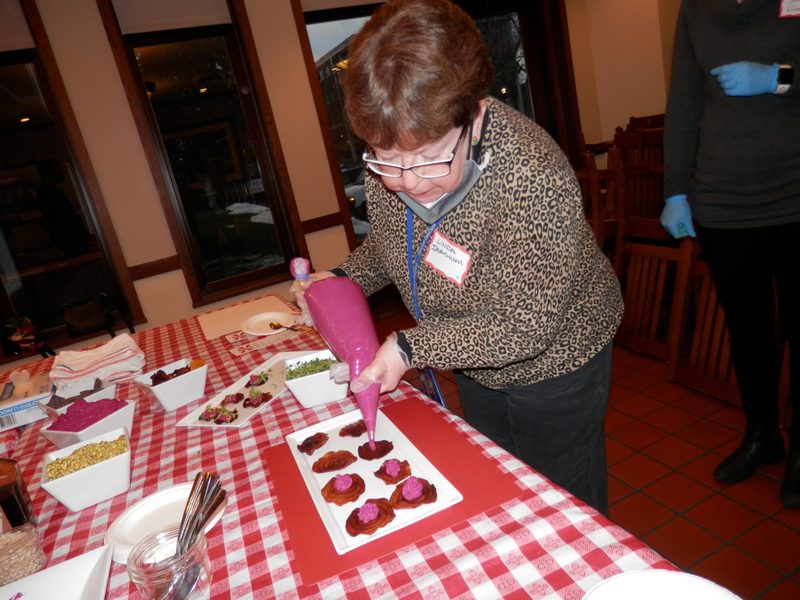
[(159, 574), (15, 503), (21, 553)]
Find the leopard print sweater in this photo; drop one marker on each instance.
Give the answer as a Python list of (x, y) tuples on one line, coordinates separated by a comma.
[(539, 298)]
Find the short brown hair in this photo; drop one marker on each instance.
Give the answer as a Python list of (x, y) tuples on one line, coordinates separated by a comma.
[(416, 69)]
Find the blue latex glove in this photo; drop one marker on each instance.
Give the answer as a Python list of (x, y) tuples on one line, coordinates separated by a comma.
[(746, 78), (677, 217)]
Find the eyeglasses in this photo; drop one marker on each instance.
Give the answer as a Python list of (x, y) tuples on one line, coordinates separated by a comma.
[(425, 170)]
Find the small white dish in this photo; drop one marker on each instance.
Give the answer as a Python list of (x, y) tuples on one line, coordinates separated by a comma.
[(122, 417), (150, 514), (110, 391), (180, 390), (658, 584), (83, 577), (275, 385), (318, 388), (90, 485), (259, 325)]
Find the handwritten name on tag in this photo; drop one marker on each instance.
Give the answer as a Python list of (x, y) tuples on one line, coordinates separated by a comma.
[(790, 8), (448, 259)]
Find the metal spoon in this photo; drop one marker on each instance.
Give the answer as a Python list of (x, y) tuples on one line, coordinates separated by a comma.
[(274, 325), (193, 504)]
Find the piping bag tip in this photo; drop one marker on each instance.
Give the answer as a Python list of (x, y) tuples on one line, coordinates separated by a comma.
[(367, 401)]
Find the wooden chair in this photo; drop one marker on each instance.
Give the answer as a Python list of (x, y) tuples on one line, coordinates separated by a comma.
[(641, 147), (654, 279), (638, 186), (704, 360), (644, 122), (638, 197), (595, 197)]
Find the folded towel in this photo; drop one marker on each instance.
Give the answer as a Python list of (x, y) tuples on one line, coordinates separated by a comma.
[(80, 360), (116, 360)]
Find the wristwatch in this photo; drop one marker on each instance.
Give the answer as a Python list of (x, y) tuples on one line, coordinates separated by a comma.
[(785, 79)]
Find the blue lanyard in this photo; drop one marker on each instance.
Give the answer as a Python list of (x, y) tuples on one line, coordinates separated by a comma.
[(427, 376), (414, 259)]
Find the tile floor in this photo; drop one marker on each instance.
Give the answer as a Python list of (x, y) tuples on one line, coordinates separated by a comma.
[(663, 442)]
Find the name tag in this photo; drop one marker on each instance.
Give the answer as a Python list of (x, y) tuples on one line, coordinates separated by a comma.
[(448, 259), (790, 8)]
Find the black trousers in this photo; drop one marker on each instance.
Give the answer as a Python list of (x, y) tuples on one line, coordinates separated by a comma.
[(757, 275), (555, 425)]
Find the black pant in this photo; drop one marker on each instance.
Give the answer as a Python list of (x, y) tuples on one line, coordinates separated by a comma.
[(555, 425), (757, 275)]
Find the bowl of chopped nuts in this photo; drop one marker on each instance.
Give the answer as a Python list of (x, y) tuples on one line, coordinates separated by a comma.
[(89, 472), (308, 378), (176, 384)]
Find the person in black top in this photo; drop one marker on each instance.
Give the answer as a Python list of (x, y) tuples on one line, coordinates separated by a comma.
[(732, 177)]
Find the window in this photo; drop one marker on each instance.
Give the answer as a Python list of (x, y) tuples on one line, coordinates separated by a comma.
[(50, 252), (328, 37), (224, 190), (329, 32)]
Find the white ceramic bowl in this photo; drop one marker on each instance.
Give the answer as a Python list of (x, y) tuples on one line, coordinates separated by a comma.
[(109, 391), (178, 391), (93, 484), (319, 388), (120, 418)]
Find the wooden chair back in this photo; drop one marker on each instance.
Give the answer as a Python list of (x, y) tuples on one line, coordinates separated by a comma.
[(641, 147), (599, 204), (644, 122), (654, 281), (704, 361)]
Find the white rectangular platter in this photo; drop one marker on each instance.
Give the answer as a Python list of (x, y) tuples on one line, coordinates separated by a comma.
[(333, 516), (274, 385)]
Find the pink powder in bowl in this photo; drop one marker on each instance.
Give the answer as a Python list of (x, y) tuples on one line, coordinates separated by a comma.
[(80, 414)]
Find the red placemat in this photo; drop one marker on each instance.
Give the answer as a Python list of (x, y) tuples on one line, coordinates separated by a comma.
[(477, 477)]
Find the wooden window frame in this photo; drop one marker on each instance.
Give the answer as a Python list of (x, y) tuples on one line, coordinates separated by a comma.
[(270, 156), (57, 99)]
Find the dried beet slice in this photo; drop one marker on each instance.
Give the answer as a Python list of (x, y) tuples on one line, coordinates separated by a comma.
[(383, 474), (333, 461), (356, 429), (313, 442), (385, 515), (382, 448), (340, 497), (427, 494)]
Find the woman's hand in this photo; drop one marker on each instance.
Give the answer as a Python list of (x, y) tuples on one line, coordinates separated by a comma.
[(299, 287), (387, 369)]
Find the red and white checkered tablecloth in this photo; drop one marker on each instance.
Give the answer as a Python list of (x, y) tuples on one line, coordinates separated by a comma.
[(542, 544)]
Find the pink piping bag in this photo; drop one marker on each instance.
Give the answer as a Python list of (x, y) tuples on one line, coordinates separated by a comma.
[(341, 315)]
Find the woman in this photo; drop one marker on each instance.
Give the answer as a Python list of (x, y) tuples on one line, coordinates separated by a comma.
[(476, 217), (732, 154)]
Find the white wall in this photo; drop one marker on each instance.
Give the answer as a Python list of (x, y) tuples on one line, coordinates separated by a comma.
[(621, 51)]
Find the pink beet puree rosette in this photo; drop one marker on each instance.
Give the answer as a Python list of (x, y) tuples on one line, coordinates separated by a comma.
[(341, 315)]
